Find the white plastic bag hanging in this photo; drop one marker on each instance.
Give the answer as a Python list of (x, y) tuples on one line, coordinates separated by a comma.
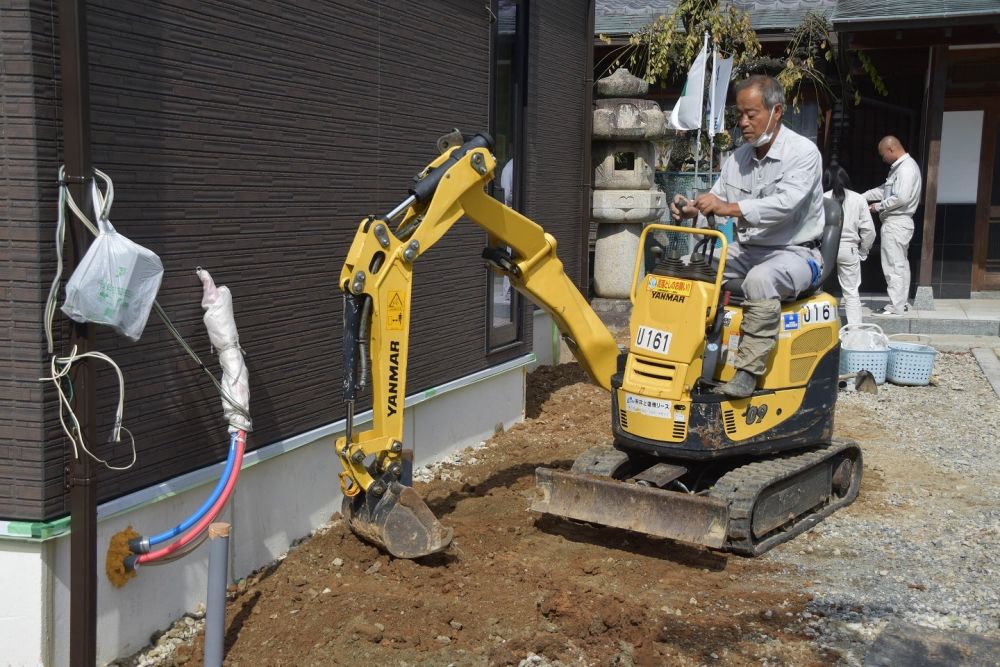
[(116, 281), (863, 338)]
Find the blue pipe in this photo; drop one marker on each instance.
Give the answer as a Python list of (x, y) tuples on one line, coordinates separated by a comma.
[(142, 545)]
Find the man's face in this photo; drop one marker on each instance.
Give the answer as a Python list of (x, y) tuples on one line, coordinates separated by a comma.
[(753, 115)]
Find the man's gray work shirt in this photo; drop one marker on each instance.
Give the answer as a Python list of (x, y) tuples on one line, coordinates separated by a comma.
[(780, 196), (899, 196)]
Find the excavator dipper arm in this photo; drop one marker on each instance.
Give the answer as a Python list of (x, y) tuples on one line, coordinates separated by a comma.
[(377, 279)]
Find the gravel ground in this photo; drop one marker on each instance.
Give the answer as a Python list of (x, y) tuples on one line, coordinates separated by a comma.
[(922, 544)]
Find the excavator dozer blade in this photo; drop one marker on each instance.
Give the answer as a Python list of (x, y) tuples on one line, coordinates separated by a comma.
[(399, 521), (643, 509)]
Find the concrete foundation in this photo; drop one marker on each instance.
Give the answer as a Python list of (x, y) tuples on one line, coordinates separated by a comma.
[(545, 340)]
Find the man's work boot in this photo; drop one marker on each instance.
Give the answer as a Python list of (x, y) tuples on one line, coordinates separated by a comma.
[(761, 320), (742, 385)]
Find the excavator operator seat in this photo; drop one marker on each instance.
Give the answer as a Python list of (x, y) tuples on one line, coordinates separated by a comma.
[(829, 246)]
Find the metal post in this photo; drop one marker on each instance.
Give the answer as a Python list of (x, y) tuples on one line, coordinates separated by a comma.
[(711, 112), (82, 484), (693, 192), (701, 121), (218, 576)]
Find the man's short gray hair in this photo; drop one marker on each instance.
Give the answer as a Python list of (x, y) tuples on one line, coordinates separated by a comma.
[(770, 90)]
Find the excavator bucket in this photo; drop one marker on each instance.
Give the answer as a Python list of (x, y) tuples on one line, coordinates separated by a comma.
[(643, 509), (398, 521)]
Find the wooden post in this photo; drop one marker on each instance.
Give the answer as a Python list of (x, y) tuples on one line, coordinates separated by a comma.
[(937, 81)]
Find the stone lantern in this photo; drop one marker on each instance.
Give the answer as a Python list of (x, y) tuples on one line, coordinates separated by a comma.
[(625, 195)]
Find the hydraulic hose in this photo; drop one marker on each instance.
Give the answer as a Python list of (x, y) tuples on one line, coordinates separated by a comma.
[(423, 190), (141, 545), (133, 561)]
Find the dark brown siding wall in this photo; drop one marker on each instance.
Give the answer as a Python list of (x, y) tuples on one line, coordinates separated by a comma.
[(250, 138), (558, 125), (27, 150)]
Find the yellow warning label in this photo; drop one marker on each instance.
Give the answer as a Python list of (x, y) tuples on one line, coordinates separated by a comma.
[(670, 285), (394, 311)]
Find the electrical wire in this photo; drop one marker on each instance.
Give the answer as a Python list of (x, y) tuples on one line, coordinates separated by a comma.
[(61, 367), (104, 201), (236, 407), (50, 304)]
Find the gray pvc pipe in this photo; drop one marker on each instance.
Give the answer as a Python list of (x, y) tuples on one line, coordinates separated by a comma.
[(215, 611)]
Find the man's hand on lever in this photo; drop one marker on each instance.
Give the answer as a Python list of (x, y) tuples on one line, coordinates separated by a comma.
[(708, 205), (681, 208)]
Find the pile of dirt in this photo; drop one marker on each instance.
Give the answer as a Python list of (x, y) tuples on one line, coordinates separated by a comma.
[(515, 583)]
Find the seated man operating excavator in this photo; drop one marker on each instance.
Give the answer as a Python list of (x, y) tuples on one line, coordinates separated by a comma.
[(772, 185)]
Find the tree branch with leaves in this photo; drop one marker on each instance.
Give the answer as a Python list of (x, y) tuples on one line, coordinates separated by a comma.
[(665, 48), (813, 64)]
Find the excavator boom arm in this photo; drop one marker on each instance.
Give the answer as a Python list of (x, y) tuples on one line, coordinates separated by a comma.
[(377, 279)]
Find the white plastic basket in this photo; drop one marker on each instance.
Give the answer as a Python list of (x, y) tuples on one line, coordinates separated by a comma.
[(910, 364), (874, 361)]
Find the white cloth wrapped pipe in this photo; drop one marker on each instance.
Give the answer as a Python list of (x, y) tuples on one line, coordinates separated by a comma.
[(221, 325)]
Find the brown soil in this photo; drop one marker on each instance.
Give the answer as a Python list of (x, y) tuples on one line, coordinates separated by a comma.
[(516, 583)]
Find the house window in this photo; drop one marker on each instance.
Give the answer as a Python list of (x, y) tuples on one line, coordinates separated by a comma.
[(805, 121), (509, 81)]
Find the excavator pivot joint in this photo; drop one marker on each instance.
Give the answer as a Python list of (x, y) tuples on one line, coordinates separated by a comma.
[(358, 286), (412, 248), (382, 234), (478, 163)]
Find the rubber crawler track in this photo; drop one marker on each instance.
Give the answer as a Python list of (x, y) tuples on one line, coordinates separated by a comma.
[(742, 487)]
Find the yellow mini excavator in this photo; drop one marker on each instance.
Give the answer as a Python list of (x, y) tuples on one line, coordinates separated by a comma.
[(685, 463)]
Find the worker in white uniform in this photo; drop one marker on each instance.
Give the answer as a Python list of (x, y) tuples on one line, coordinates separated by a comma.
[(896, 201), (507, 185), (772, 186), (507, 182), (856, 237)]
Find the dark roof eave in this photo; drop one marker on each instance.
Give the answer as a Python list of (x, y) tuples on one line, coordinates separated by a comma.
[(768, 35), (859, 24)]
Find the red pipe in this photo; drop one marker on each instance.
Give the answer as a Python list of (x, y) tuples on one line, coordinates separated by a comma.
[(209, 517)]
